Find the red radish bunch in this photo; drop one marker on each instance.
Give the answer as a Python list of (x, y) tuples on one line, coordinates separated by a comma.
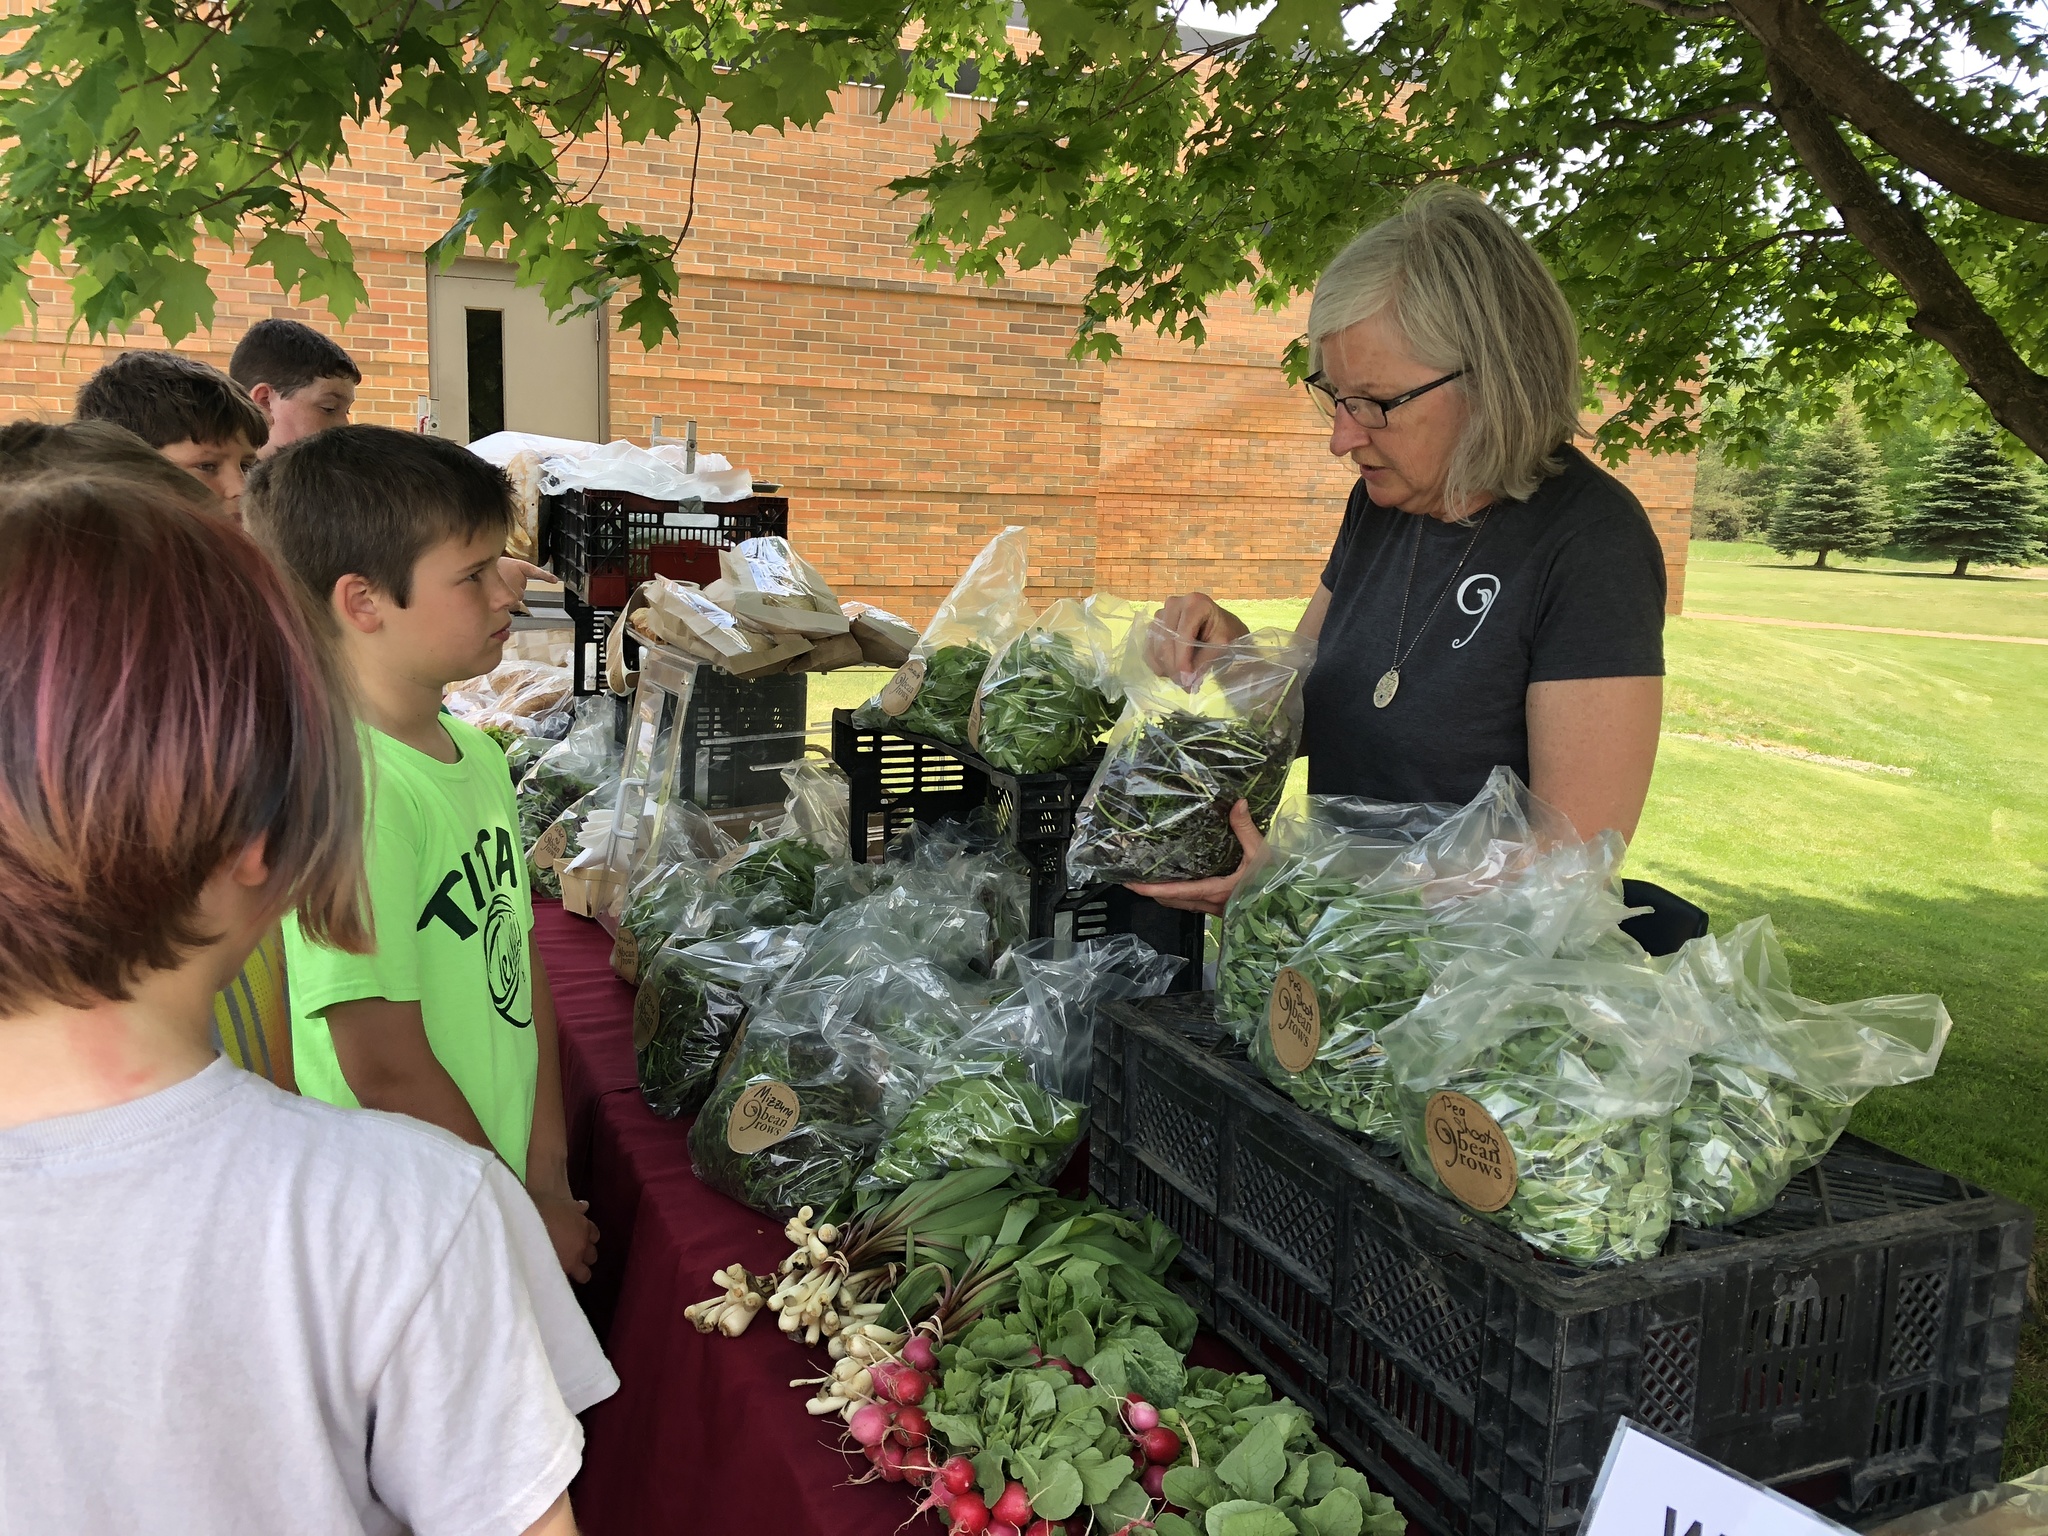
[(918, 1353)]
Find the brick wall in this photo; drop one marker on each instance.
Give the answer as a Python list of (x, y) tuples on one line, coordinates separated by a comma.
[(908, 417)]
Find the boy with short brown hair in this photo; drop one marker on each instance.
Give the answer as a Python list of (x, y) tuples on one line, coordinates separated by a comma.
[(302, 382), (188, 411)]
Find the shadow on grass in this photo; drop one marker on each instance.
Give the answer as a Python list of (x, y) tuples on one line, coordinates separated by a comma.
[(1981, 1115)]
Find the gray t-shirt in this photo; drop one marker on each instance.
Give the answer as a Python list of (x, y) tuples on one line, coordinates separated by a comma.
[(1568, 584), (226, 1310)]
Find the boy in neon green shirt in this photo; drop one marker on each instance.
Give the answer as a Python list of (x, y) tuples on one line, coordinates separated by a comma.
[(449, 1019)]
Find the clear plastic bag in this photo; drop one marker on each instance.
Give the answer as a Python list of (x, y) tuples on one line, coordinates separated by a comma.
[(1579, 1065), (988, 1113), (814, 1082), (1775, 1082), (1180, 759), (1503, 877), (584, 827), (1064, 983), (1049, 694), (818, 805), (693, 998), (932, 694), (670, 885), (569, 770)]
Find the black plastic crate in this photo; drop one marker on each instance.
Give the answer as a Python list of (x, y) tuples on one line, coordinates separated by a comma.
[(737, 733), (603, 544), (1853, 1346), (589, 628), (899, 780)]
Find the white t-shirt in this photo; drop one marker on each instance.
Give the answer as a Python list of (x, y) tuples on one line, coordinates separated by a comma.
[(225, 1309)]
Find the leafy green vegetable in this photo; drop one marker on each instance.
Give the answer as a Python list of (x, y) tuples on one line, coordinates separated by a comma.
[(995, 1115), (550, 787), (1368, 961), (1592, 1188), (688, 1020), (1269, 915), (775, 881), (1040, 707), (1739, 1137), (837, 1128), (1160, 805), (944, 699)]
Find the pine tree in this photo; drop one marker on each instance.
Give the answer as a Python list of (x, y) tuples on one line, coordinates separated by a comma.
[(1974, 505), (1832, 498)]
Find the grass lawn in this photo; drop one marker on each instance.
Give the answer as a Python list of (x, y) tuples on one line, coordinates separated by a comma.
[(1935, 881)]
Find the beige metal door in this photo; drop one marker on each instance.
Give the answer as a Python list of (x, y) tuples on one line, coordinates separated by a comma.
[(498, 362)]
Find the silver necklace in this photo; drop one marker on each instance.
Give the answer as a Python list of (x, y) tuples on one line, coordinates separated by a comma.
[(1390, 681)]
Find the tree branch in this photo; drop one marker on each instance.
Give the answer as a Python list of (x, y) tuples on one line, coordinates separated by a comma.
[(1994, 176), (1946, 311), (1682, 12)]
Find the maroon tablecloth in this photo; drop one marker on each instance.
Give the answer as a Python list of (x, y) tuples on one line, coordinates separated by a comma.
[(705, 1433)]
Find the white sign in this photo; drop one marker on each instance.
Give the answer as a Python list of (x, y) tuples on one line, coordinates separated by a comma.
[(1651, 1486)]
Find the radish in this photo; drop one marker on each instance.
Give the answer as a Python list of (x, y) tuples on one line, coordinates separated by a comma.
[(1014, 1506), (911, 1426), (1057, 1361), (919, 1354), (881, 1373), (959, 1474), (1082, 1378), (918, 1468), (890, 1459), (1044, 1528), (1160, 1445), (1154, 1481), (940, 1496), (1140, 1415), (869, 1424), (1004, 1528), (970, 1514), (908, 1387)]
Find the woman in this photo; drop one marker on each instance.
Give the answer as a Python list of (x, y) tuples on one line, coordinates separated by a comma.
[(1493, 595)]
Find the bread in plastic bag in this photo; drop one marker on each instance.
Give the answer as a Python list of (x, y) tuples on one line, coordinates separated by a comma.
[(1776, 1080), (777, 588), (1180, 758), (694, 996), (1046, 699), (1504, 876), (932, 694), (568, 770), (1580, 1066)]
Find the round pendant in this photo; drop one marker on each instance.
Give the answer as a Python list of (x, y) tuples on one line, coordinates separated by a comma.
[(1383, 691)]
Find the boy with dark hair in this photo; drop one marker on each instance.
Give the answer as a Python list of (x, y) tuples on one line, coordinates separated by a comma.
[(398, 537), (224, 1308), (188, 411), (302, 381)]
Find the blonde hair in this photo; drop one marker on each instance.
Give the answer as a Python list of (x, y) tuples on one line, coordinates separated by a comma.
[(1468, 292)]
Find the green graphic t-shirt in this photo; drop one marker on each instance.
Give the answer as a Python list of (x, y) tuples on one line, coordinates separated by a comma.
[(449, 894)]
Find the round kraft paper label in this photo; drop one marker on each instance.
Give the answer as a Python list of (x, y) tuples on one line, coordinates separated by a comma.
[(900, 692), (1469, 1151), (552, 845), (1294, 1020), (761, 1116), (646, 1018), (626, 955)]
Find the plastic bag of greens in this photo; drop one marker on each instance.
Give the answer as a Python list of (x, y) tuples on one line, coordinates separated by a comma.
[(1775, 1082), (1049, 694), (818, 804), (693, 998), (1369, 957), (1540, 1095), (1064, 984), (804, 1098), (1329, 851), (989, 1113), (586, 824), (1181, 758), (932, 693), (568, 770), (522, 751), (670, 886)]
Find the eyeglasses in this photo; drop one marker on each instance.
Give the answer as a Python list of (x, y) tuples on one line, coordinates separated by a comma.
[(1363, 409)]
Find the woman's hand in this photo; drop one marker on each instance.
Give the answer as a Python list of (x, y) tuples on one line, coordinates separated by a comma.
[(1186, 628), (1211, 895)]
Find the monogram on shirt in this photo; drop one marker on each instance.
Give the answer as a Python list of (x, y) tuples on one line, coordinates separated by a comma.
[(488, 877)]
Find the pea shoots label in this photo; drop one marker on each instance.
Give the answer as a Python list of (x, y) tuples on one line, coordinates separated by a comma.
[(552, 845), (761, 1116), (1294, 1020), (901, 691), (1469, 1151)]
